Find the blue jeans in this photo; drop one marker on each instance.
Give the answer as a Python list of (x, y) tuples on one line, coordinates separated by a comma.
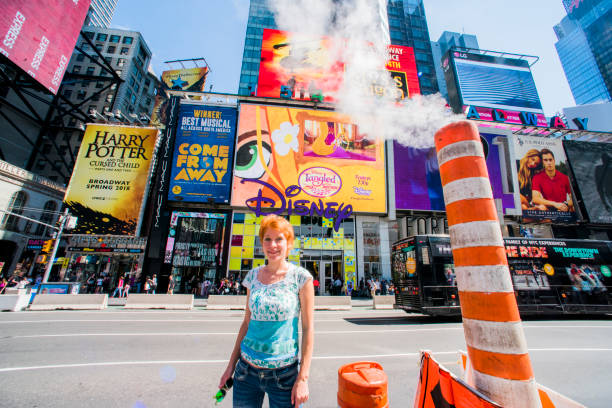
[(251, 384)]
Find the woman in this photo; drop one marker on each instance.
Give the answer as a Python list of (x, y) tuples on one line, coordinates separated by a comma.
[(265, 355), (530, 165)]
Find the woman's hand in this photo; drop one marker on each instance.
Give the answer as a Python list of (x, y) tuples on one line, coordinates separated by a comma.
[(299, 393), (229, 371)]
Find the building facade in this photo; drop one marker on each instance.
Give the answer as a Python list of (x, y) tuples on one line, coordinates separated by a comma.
[(447, 41), (584, 47), (101, 13)]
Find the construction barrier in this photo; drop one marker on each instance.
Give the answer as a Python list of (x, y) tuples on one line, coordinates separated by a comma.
[(231, 302), (162, 301), (493, 332), (45, 301), (14, 303), (362, 385), (383, 301)]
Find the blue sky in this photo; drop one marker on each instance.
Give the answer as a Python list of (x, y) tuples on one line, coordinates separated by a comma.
[(215, 29)]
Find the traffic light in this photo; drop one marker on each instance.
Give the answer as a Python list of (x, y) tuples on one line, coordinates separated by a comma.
[(47, 246)]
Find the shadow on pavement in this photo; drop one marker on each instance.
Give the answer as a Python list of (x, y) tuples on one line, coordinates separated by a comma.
[(401, 320)]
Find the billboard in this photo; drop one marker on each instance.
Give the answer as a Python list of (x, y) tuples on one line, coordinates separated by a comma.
[(294, 66), (542, 180), (303, 161), (490, 82), (110, 177), (187, 79), (39, 36), (591, 165), (417, 175), (203, 152)]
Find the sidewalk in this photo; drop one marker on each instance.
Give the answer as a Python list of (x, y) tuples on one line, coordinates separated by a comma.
[(200, 302)]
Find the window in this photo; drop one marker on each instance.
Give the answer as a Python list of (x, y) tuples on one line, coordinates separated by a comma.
[(99, 47), (99, 84), (18, 201), (92, 107), (90, 70), (67, 93), (81, 95), (80, 57), (136, 88), (115, 38), (89, 34), (41, 164), (124, 50), (128, 40), (95, 97), (46, 217), (101, 37), (85, 84), (76, 69), (46, 149), (121, 62), (132, 81), (85, 47), (111, 49)]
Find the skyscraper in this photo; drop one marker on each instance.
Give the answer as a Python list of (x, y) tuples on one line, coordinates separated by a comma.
[(585, 49), (448, 40), (409, 28), (101, 13)]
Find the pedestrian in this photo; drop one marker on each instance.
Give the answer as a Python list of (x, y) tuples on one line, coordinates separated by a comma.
[(383, 287), (91, 283), (372, 287), (206, 288), (349, 288), (315, 284), (337, 286), (3, 285), (154, 283), (377, 285), (126, 288), (147, 285), (99, 283), (265, 356), (171, 283), (119, 288)]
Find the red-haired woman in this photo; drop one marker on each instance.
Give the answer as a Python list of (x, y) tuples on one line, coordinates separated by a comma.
[(265, 356)]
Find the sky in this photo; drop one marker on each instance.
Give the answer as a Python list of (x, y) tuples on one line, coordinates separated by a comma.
[(215, 30)]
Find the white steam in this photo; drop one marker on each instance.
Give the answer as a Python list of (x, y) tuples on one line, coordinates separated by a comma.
[(358, 24)]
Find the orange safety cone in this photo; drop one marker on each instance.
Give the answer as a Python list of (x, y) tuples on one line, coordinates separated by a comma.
[(362, 385), (494, 335)]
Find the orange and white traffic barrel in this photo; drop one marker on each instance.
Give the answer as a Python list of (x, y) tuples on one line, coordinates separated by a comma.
[(362, 385), (494, 335)]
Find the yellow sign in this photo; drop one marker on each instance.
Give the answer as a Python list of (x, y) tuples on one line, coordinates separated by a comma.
[(188, 79), (110, 176), (548, 268), (306, 161), (411, 265)]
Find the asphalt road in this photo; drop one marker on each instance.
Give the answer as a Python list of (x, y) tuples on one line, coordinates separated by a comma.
[(118, 358)]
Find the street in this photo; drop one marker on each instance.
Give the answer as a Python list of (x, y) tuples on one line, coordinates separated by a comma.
[(118, 358)]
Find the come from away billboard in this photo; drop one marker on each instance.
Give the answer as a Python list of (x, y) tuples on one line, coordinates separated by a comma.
[(203, 151)]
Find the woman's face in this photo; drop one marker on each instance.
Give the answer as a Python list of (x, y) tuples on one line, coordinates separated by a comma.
[(275, 245), (533, 161)]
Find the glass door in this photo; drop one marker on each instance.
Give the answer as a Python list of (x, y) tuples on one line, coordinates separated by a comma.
[(326, 277)]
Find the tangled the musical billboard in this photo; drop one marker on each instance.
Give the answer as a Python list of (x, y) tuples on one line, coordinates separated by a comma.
[(110, 177), (303, 161)]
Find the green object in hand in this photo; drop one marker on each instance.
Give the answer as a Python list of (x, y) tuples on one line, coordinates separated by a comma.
[(223, 390)]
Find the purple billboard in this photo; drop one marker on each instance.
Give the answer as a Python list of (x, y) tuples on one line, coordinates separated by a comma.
[(417, 176)]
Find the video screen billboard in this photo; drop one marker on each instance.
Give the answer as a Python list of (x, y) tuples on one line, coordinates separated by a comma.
[(494, 82), (304, 68), (110, 178), (591, 164), (39, 36), (417, 176), (203, 152), (296, 159), (542, 180)]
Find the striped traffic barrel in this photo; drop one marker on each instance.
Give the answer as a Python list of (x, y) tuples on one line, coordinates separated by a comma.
[(493, 331)]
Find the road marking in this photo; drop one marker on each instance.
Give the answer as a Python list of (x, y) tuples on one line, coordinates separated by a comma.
[(338, 357)]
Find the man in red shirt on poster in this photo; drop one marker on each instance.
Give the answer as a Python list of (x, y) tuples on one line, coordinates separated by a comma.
[(551, 187)]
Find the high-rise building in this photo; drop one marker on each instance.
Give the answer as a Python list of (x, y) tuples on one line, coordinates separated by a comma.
[(100, 13), (404, 21), (408, 27), (585, 49), (86, 84), (449, 40)]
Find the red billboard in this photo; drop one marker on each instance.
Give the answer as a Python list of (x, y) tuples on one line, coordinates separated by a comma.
[(294, 66), (39, 36)]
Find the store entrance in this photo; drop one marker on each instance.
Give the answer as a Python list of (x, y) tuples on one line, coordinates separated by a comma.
[(325, 272)]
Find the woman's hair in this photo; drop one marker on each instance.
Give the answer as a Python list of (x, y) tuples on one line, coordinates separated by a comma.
[(524, 173), (278, 223)]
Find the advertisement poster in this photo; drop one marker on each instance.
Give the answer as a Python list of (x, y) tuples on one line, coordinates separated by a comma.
[(203, 153), (591, 165), (294, 66), (187, 79), (543, 180), (302, 161), (39, 36), (417, 176), (110, 177)]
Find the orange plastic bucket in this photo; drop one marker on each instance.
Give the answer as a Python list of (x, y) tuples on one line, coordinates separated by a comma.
[(362, 385)]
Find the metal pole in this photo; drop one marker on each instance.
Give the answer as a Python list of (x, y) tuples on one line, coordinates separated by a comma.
[(63, 219)]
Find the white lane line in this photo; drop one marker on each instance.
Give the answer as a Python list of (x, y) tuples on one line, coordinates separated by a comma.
[(147, 320), (338, 357)]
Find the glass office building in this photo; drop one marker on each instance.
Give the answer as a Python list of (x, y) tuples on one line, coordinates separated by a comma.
[(100, 13), (448, 40), (407, 27), (585, 49)]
